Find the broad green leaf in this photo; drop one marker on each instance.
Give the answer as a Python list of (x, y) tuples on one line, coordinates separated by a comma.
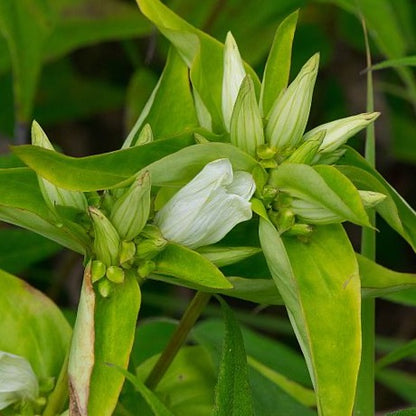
[(223, 256), (20, 249), (32, 326), (22, 204), (405, 297), (403, 384), (394, 63), (404, 412), (97, 172), (232, 393), (298, 392), (277, 70), (187, 388), (115, 324), (188, 265), (400, 353), (26, 24), (202, 53), (323, 186), (377, 280), (394, 209), (170, 109), (319, 283), (156, 405)]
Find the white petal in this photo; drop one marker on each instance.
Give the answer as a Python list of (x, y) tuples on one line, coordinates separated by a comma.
[(243, 185), (17, 380)]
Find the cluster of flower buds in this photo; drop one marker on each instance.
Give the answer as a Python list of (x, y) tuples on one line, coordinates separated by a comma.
[(280, 134)]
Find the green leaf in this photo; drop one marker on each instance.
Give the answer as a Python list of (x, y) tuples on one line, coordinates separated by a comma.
[(394, 209), (32, 326), (403, 384), (319, 283), (188, 265), (323, 186), (400, 353), (394, 63), (404, 412), (223, 256), (26, 25), (377, 280), (170, 109), (19, 249), (97, 172), (202, 53), (157, 406), (113, 343), (233, 393), (277, 70)]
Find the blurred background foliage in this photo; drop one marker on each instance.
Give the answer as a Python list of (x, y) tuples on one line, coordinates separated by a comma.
[(85, 68)]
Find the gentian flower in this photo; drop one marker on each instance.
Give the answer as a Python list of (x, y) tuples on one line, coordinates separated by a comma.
[(208, 207)]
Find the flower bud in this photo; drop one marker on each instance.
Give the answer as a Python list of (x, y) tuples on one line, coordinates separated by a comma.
[(234, 74), (283, 219), (18, 382), (265, 152), (149, 248), (307, 151), (115, 274), (105, 288), (145, 136), (106, 238), (52, 194), (127, 251), (289, 114), (246, 123), (131, 211), (300, 230), (145, 268), (98, 269), (370, 199), (339, 131), (329, 158)]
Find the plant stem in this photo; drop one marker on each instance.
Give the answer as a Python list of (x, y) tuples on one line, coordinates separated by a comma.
[(364, 402), (191, 315)]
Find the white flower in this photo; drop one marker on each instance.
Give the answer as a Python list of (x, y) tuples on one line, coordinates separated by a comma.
[(208, 207), (17, 380)]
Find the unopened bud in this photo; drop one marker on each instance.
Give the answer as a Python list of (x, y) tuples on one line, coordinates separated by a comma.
[(265, 152), (339, 131), (106, 238), (234, 74), (115, 274), (269, 194), (131, 211), (52, 194), (98, 269), (246, 123), (329, 158), (289, 114), (370, 199), (299, 230), (145, 268), (268, 163), (127, 251), (105, 288), (145, 136), (149, 248), (307, 151), (283, 220)]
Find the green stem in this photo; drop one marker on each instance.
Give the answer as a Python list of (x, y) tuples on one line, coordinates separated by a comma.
[(58, 397), (364, 402), (191, 315)]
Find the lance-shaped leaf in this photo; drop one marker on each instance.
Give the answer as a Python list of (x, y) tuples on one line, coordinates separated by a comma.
[(323, 187), (290, 112), (277, 69), (246, 123), (97, 172), (321, 290), (188, 265), (223, 256), (394, 209), (130, 212)]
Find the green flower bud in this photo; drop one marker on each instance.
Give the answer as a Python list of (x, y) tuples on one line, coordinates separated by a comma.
[(145, 136), (289, 114), (150, 231), (329, 158), (131, 211), (127, 251), (234, 74), (147, 249), (339, 131), (265, 152), (268, 163), (307, 151), (145, 268), (106, 238), (115, 274), (299, 230), (283, 220), (246, 123), (52, 194), (371, 199), (269, 194), (98, 269), (105, 288)]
